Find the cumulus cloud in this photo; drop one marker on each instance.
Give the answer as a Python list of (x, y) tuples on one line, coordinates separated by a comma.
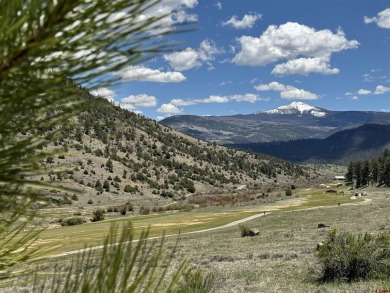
[(141, 100), (305, 66), (287, 92), (169, 108), (380, 90), (363, 92), (191, 58), (293, 41), (104, 92), (248, 21), (183, 60), (382, 19), (355, 98), (129, 107), (218, 5), (141, 73)]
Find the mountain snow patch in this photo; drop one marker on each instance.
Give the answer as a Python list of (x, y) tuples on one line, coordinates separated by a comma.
[(297, 108)]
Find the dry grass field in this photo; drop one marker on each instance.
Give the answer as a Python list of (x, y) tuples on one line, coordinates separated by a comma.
[(281, 259)]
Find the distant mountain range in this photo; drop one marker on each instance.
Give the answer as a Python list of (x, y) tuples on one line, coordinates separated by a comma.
[(294, 121), (361, 143)]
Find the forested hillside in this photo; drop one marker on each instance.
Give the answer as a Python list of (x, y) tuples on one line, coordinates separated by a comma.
[(370, 172), (364, 142), (112, 152)]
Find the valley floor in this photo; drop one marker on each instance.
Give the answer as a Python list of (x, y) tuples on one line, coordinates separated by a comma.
[(281, 259)]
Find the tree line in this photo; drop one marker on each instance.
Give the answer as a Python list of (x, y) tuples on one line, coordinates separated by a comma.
[(370, 172)]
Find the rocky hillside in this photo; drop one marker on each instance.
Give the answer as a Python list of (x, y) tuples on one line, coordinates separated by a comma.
[(115, 156)]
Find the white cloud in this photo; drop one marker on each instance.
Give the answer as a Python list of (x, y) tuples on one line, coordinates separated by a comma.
[(382, 19), (380, 90), (368, 77), (355, 98), (363, 92), (273, 86), (248, 21), (251, 98), (207, 50), (127, 106), (168, 108), (191, 58), (290, 41), (171, 12), (183, 60), (218, 5), (104, 92), (181, 102), (287, 92), (141, 100), (141, 73), (297, 94), (348, 94), (304, 66), (214, 99)]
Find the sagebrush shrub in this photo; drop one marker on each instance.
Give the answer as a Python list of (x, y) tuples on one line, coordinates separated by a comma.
[(245, 230), (72, 221), (345, 256), (98, 215)]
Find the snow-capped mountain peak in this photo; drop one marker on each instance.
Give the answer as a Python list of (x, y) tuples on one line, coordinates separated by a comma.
[(297, 108)]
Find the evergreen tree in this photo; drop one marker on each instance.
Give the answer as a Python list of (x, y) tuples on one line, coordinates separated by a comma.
[(106, 185), (365, 173), (386, 173), (98, 185), (350, 173), (358, 174), (48, 49), (375, 170), (110, 166)]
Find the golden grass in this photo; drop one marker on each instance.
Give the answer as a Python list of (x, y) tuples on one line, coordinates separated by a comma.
[(66, 239)]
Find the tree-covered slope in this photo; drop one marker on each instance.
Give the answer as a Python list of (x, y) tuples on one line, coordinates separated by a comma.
[(113, 153), (366, 141)]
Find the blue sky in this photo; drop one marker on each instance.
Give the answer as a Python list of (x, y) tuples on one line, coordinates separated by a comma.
[(247, 56)]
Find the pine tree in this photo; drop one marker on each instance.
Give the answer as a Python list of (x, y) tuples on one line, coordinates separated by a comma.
[(98, 185), (106, 185), (49, 49), (110, 166), (365, 173), (350, 173), (358, 174)]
